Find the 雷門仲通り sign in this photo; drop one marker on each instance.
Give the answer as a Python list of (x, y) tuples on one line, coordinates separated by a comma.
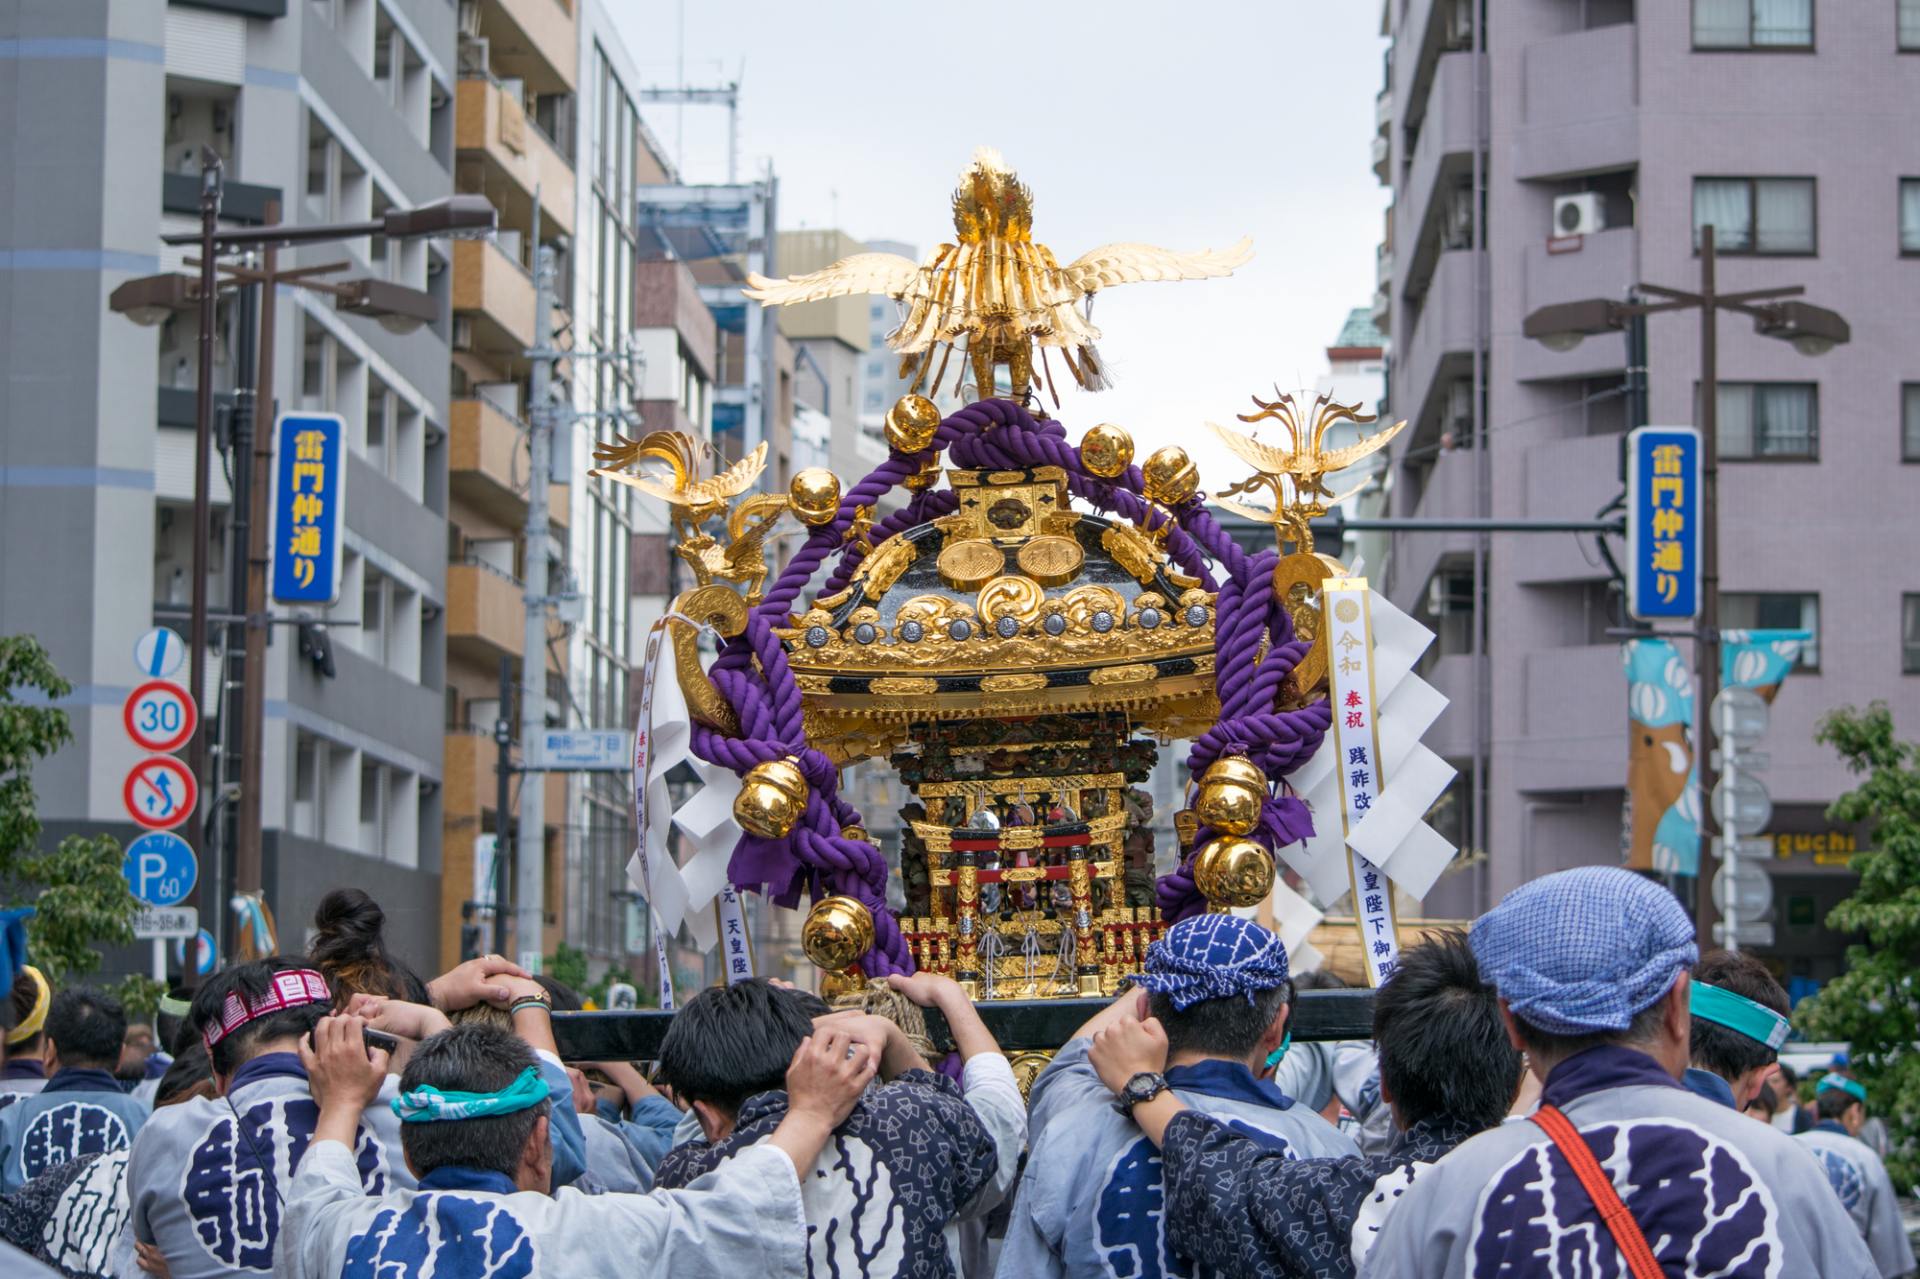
[(309, 507)]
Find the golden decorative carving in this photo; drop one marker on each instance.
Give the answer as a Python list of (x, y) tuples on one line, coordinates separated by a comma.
[(1106, 450), (966, 565), (1305, 463), (721, 608), (1012, 683), (903, 686), (1083, 602), (1170, 475), (1051, 561), (677, 477), (1027, 1067), (1003, 478), (883, 567), (1231, 794), (1296, 580), (810, 684), (1015, 597), (1134, 673), (1130, 551)]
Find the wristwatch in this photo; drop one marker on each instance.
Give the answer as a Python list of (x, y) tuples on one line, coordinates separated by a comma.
[(1144, 1086)]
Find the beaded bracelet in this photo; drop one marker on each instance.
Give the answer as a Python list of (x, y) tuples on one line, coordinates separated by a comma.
[(542, 1002)]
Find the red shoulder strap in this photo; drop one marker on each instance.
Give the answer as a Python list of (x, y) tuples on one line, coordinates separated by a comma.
[(1599, 1187)]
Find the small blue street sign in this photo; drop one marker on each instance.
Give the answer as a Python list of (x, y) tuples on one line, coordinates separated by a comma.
[(309, 507), (1663, 523), (159, 652), (205, 952), (160, 868)]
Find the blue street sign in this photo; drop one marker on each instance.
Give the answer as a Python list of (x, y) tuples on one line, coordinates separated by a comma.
[(205, 953), (309, 507), (1663, 523), (160, 868), (159, 652)]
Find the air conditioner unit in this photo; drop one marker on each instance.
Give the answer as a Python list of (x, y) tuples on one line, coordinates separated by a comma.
[(1582, 214), (472, 55)]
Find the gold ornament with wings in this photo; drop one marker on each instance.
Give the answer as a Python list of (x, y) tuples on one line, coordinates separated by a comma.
[(1296, 475), (676, 465), (998, 294)]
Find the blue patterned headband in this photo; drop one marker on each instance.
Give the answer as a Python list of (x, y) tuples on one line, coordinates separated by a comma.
[(1212, 957), (1838, 1083), (427, 1104)]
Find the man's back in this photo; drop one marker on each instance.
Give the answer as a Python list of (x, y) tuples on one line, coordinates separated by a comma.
[(1091, 1200), (908, 1159), (1860, 1180), (79, 1112), (1714, 1192)]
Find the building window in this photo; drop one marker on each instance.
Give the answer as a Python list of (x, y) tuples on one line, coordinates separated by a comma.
[(1755, 215), (1769, 420), (1910, 212), (1910, 25), (1746, 612), (1910, 422), (1753, 24), (1910, 634)]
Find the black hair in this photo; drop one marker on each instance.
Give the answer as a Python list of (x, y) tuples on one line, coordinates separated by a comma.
[(1721, 1049), (1831, 1103), (189, 1070), (1545, 1043), (1443, 1049), (565, 998), (250, 981), (810, 1004), (26, 993), (1319, 979), (731, 1042), (1229, 1026), (87, 1027), (475, 1057), (349, 946), (172, 1029)]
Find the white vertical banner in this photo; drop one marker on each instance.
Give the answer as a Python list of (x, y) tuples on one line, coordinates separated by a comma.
[(1346, 621), (737, 946), (642, 748)]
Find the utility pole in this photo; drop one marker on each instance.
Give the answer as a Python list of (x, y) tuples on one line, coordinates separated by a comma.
[(1706, 676), (211, 907), (530, 865), (502, 806), (253, 692)]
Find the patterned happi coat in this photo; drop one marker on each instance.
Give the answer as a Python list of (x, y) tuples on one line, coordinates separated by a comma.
[(78, 1112), (1714, 1192), (743, 1222), (1091, 1203), (1860, 1180), (73, 1217), (909, 1160)]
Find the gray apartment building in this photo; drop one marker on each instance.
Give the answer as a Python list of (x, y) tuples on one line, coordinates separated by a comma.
[(337, 110), (1545, 151)]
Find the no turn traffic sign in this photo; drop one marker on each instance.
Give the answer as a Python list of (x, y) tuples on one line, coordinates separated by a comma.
[(160, 716), (160, 793)]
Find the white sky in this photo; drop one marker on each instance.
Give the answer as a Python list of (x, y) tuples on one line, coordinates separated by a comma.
[(1186, 125)]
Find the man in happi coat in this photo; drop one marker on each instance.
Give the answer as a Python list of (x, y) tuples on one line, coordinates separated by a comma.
[(484, 1207), (1739, 1022), (82, 1110), (1592, 968), (1446, 1069), (1857, 1173), (1091, 1202)]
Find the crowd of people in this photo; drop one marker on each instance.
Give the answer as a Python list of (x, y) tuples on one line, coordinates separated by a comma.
[(1568, 1088)]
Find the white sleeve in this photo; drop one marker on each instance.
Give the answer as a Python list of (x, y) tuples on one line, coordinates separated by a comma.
[(993, 1094), (324, 1190), (743, 1220)]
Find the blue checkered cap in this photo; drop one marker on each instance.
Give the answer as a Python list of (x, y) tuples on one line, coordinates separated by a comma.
[(1211, 957), (1580, 952)]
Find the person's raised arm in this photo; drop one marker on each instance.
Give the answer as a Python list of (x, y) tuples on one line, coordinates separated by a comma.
[(473, 982), (344, 1074), (1124, 1049), (936, 990), (825, 1079)]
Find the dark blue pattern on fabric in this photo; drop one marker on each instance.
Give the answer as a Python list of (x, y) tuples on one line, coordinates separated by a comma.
[(66, 1132), (1843, 1176), (442, 1236), (901, 1166), (1129, 1220), (1212, 957), (1697, 1200)]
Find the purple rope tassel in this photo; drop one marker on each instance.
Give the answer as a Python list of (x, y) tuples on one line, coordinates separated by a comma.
[(753, 675)]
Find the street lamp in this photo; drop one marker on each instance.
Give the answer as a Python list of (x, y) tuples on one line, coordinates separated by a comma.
[(1813, 330)]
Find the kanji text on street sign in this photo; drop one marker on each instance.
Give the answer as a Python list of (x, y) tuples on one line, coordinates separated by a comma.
[(160, 793), (166, 921), (161, 869), (309, 491), (1663, 523), (160, 716), (592, 750)]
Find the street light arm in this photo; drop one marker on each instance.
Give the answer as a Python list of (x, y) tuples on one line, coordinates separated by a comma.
[(1738, 300)]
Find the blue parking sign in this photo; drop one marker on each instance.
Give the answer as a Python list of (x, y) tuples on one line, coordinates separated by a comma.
[(310, 473), (1663, 523), (160, 868)]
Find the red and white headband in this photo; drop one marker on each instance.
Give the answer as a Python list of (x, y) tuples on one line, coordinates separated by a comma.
[(293, 988)]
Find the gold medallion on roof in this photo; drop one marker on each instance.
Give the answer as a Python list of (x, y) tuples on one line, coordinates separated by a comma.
[(1051, 561), (965, 565), (1015, 597)]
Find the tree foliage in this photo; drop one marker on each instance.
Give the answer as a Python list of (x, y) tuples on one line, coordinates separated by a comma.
[(80, 897), (1874, 1005)]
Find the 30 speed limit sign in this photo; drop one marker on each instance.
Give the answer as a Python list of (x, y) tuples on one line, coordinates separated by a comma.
[(159, 716)]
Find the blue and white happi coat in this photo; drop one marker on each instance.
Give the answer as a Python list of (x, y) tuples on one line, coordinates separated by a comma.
[(209, 1179), (1714, 1192), (78, 1112), (72, 1217), (1860, 1179), (1091, 1203), (743, 1221)]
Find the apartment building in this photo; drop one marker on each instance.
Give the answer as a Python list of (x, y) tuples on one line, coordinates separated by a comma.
[(319, 112), (1542, 151)]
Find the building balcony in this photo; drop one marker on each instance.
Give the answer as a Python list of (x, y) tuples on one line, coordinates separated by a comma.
[(505, 157), (1580, 101), (1443, 337), (532, 40), (1383, 110), (1442, 159), (1383, 266), (1451, 736), (494, 295), (1383, 159), (1602, 265), (1448, 492), (1574, 721), (487, 460), (1568, 478), (1383, 308), (486, 619)]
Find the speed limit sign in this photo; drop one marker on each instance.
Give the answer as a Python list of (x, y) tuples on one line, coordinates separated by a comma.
[(159, 716)]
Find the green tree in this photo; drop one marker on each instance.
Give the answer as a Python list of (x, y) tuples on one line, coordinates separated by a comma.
[(1874, 1005), (80, 897)]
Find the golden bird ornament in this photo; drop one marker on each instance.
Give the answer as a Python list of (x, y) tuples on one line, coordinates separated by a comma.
[(1304, 462), (671, 466), (998, 294)]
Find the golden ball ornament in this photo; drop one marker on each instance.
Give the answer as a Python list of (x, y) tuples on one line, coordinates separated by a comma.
[(1186, 827), (1171, 476), (838, 931), (1106, 450), (1231, 793), (911, 423), (1233, 872), (772, 797), (814, 496)]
